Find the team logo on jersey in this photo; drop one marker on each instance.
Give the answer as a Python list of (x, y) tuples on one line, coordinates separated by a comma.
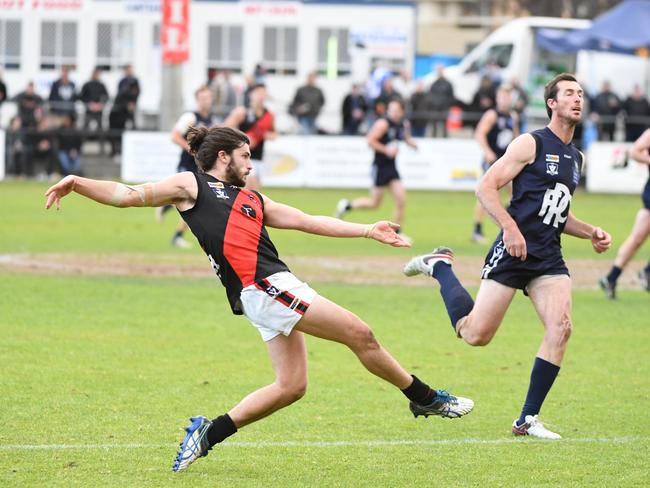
[(553, 158), (217, 189), (248, 211), (552, 169), (555, 204)]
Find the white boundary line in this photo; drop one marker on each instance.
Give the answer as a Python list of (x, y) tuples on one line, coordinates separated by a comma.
[(326, 444)]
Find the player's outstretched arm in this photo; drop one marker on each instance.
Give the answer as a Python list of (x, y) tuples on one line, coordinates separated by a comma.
[(520, 152), (177, 188), (600, 240), (282, 216)]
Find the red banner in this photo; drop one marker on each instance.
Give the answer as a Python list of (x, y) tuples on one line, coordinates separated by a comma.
[(175, 31)]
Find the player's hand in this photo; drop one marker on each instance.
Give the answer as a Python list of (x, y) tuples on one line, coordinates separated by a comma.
[(385, 232), (600, 240), (56, 192), (515, 242)]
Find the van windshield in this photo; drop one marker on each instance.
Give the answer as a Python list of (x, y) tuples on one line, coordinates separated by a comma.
[(499, 54)]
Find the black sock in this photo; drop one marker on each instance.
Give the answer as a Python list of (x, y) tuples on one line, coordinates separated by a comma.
[(647, 268), (478, 228), (419, 392), (541, 379), (222, 427), (178, 233), (166, 208), (348, 207), (458, 302), (613, 275)]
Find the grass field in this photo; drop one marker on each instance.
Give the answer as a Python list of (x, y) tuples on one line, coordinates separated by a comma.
[(100, 371)]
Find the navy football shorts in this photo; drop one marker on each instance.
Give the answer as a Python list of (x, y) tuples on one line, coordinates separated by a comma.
[(515, 273), (383, 174)]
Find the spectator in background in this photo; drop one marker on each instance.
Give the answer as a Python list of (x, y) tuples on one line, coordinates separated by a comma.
[(259, 74), (387, 95), (63, 95), (484, 99), (519, 103), (30, 107), (129, 88), (224, 94), (15, 146), (441, 94), (307, 104), (637, 114), (606, 106), (69, 147), (3, 91), (403, 84), (94, 96), (354, 111), (39, 148), (420, 109)]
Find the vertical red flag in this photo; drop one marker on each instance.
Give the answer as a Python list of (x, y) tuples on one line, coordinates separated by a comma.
[(175, 32)]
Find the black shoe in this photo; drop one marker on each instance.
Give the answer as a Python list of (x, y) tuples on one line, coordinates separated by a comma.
[(445, 405), (608, 287)]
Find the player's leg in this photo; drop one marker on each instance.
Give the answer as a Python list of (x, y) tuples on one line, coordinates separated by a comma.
[(289, 360), (178, 240), (551, 297), (635, 240), (370, 202), (399, 195), (476, 322), (327, 320)]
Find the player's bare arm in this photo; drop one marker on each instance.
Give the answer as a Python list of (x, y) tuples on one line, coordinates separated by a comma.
[(484, 126), (179, 189), (600, 240), (235, 118), (639, 151), (179, 140), (520, 152), (377, 131), (282, 216)]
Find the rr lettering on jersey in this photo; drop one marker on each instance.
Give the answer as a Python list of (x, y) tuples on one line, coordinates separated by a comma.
[(556, 201)]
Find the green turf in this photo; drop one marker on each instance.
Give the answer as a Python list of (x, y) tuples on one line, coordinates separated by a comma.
[(117, 361)]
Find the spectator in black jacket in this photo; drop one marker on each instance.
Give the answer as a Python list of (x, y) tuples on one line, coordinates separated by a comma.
[(30, 107), (442, 97), (637, 114), (94, 96), (353, 111), (607, 106), (3, 91), (307, 104), (129, 88), (63, 95), (420, 110)]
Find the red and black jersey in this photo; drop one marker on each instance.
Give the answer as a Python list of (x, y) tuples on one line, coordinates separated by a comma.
[(228, 222), (256, 128)]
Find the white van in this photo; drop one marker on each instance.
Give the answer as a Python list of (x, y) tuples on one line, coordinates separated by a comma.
[(514, 49)]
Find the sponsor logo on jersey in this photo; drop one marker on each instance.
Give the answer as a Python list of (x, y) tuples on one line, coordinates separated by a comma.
[(248, 211), (553, 158), (217, 189), (567, 156), (217, 184), (552, 169)]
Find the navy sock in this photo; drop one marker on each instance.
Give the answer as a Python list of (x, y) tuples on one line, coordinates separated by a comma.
[(178, 233), (613, 275), (478, 228), (458, 302), (541, 379), (647, 268), (221, 428), (419, 392)]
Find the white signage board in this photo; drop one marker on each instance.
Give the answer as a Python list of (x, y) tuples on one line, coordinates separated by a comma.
[(610, 170), (148, 156)]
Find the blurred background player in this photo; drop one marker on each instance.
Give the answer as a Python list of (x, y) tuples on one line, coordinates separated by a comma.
[(384, 137), (496, 129), (640, 152), (202, 117), (258, 123)]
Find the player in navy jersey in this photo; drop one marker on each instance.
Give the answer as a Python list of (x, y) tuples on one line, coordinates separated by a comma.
[(202, 117), (640, 152), (496, 129), (230, 223), (384, 137), (544, 167)]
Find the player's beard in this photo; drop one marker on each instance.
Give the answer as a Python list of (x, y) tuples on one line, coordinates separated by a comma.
[(233, 177)]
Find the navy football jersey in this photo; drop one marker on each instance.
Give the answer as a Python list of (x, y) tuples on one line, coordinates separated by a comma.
[(395, 132), (500, 135), (187, 162), (541, 193)]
